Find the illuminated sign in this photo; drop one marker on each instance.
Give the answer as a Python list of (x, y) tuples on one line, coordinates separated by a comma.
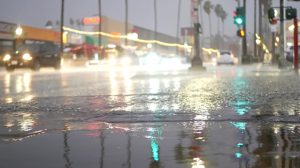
[(7, 27), (91, 20)]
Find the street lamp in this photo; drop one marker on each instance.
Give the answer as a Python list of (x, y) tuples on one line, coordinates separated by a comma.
[(132, 36), (19, 31)]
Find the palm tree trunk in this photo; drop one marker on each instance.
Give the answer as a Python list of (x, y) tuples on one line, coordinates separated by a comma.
[(201, 16), (223, 30), (218, 25), (210, 40), (201, 22)]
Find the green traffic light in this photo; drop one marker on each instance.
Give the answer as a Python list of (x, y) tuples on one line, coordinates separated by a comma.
[(239, 21), (239, 18)]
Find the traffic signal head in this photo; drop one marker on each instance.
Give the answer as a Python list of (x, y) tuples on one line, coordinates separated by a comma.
[(241, 33), (272, 15), (239, 18), (290, 13), (198, 28)]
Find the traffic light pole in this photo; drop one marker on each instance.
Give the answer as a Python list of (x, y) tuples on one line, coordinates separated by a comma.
[(196, 62), (245, 58), (296, 67), (282, 35)]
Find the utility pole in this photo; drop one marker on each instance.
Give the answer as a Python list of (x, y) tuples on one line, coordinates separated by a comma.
[(196, 60), (126, 22), (62, 27), (178, 25), (100, 23)]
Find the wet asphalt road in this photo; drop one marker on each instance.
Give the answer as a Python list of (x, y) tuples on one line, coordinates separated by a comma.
[(229, 116)]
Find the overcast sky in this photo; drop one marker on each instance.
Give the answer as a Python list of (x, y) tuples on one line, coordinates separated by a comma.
[(37, 12)]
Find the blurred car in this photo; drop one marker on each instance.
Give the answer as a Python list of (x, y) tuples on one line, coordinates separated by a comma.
[(6, 47), (290, 54), (225, 57), (151, 58), (34, 56), (121, 61), (94, 60)]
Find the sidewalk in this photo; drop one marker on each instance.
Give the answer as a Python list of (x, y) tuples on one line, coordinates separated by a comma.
[(261, 67)]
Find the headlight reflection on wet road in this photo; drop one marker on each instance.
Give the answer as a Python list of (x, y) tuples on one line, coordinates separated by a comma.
[(20, 121)]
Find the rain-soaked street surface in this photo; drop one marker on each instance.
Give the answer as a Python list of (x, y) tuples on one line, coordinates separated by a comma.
[(227, 117)]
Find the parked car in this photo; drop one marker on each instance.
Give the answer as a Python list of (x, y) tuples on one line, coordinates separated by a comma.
[(34, 55), (226, 57), (290, 54)]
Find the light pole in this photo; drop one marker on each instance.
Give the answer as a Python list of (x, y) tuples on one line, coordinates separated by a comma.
[(126, 22), (62, 27), (155, 23), (282, 35), (178, 24)]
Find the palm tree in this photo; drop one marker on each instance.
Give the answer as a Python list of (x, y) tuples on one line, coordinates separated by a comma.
[(207, 8), (223, 17), (71, 20), (218, 11), (49, 24), (79, 23)]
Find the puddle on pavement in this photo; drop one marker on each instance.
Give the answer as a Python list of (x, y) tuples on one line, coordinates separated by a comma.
[(197, 144)]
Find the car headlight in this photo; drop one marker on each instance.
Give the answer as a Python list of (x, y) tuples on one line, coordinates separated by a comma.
[(27, 57), (112, 61), (7, 57), (126, 61)]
